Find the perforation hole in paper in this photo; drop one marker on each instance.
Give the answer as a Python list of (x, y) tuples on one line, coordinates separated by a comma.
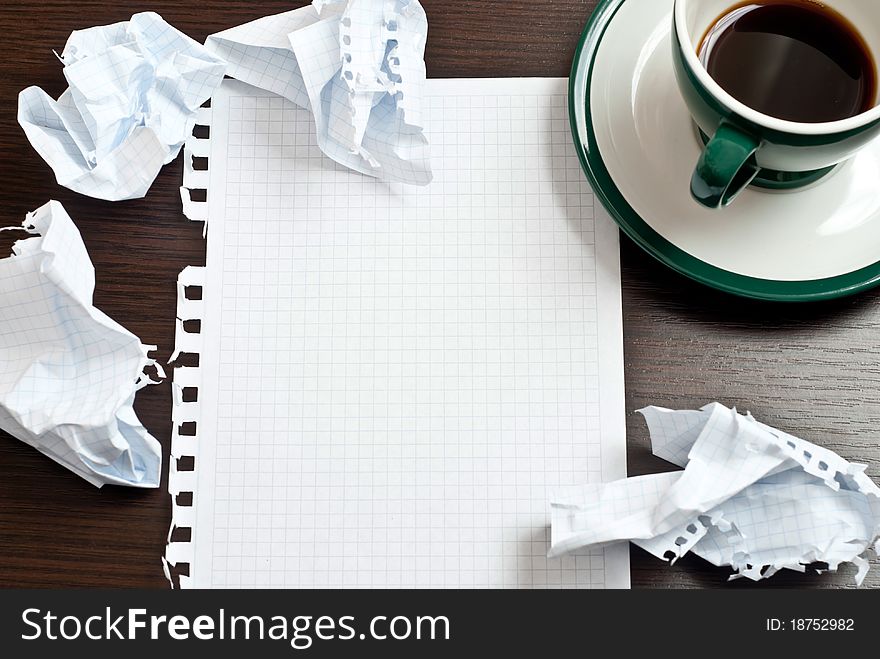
[(187, 429), (181, 534), (186, 463), (193, 326), (192, 292), (189, 359)]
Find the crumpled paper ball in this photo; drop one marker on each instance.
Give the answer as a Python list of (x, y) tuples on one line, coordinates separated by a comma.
[(357, 65), (750, 497), (134, 91), (68, 372)]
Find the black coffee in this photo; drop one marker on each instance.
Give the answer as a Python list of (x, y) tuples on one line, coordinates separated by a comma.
[(792, 59)]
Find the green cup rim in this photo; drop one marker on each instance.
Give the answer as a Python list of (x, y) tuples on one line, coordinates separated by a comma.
[(634, 226)]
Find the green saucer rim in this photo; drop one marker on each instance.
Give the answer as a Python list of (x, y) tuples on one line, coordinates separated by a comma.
[(640, 232)]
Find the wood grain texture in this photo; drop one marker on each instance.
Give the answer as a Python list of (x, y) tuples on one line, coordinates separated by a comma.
[(812, 370)]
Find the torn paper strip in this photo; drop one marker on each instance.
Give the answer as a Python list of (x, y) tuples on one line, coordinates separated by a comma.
[(358, 65), (750, 496), (186, 416), (134, 89), (69, 373)]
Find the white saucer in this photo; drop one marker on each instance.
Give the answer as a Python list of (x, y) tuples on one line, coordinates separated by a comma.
[(639, 147)]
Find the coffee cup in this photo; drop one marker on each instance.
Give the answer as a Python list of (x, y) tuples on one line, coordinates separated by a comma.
[(746, 143)]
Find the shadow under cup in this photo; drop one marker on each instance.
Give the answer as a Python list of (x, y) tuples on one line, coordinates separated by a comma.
[(743, 146)]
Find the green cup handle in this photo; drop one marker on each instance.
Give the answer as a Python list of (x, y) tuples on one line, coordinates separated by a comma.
[(726, 167)]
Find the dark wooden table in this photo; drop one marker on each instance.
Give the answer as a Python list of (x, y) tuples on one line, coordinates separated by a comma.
[(812, 370)]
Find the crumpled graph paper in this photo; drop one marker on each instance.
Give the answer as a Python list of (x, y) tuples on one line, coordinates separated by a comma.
[(750, 497), (68, 372), (358, 65), (134, 91)]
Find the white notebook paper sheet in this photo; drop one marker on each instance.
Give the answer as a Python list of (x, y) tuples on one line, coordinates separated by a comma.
[(392, 378)]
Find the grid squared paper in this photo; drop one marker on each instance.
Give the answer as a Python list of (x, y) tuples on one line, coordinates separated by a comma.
[(361, 72), (261, 53), (399, 375), (134, 88), (68, 372), (750, 497)]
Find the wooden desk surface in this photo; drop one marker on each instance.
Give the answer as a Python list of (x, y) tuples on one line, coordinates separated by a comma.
[(811, 370)]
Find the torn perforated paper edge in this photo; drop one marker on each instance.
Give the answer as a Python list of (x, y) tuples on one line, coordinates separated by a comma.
[(68, 372), (357, 65), (750, 497), (181, 483)]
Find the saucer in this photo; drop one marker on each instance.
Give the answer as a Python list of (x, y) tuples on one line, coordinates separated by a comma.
[(638, 146)]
